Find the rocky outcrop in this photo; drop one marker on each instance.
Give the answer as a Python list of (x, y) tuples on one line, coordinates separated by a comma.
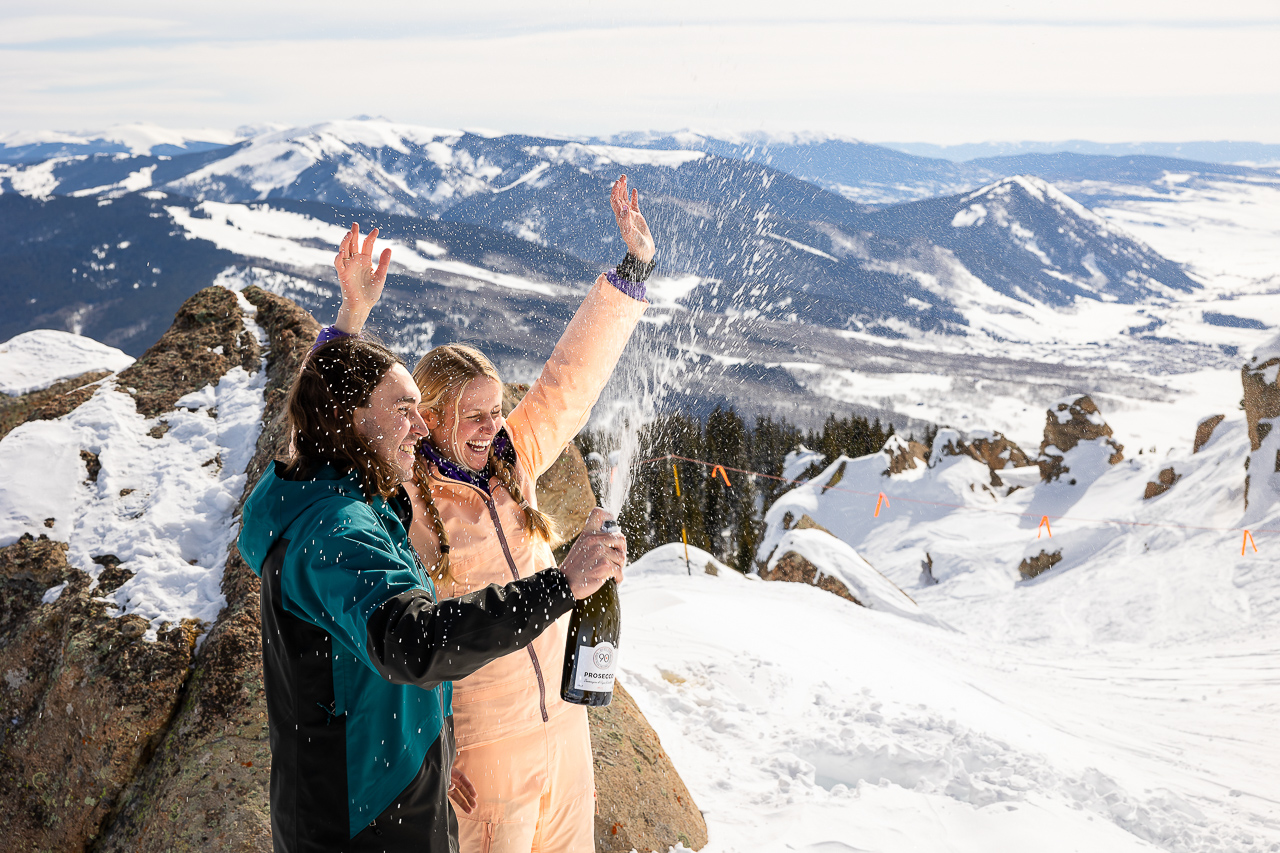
[(1030, 567), (794, 568), (1069, 423), (1261, 380), (207, 786), (1163, 482), (564, 489), (903, 455), (100, 700), (1204, 431), (48, 403), (86, 699), (642, 803), (992, 449), (806, 522)]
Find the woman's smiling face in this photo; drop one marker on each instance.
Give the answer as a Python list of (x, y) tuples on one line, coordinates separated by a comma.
[(464, 431)]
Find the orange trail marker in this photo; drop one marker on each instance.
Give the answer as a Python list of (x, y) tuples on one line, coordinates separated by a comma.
[(719, 469), (883, 500), (1248, 540), (1044, 524)]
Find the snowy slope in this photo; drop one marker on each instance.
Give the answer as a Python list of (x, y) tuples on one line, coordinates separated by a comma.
[(803, 722), (37, 359)]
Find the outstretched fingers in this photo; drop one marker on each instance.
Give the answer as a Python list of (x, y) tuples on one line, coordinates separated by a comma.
[(367, 248), (384, 262)]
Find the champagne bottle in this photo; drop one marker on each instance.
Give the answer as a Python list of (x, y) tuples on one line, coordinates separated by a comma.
[(591, 653)]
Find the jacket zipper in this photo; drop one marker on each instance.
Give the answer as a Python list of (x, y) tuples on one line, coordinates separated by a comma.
[(515, 574)]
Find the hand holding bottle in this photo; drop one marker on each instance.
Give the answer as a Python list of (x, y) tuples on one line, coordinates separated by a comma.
[(597, 556)]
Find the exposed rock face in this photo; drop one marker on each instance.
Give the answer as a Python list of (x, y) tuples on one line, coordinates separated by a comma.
[(207, 339), (794, 568), (564, 489), (1068, 423), (992, 449), (806, 522), (86, 700), (1204, 431), (1164, 481), (903, 454), (642, 802), (1039, 564), (1261, 379), (48, 403), (207, 786)]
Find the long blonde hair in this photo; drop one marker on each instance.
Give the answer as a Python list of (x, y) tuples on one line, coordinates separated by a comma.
[(442, 376)]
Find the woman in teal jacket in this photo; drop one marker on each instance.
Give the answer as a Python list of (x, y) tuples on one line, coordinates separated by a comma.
[(357, 652)]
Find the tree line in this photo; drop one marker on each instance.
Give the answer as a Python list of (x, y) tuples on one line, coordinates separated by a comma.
[(726, 521)]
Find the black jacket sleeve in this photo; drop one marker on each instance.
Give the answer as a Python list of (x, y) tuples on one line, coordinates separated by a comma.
[(414, 640)]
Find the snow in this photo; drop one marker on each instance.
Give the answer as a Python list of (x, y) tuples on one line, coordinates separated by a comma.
[(1123, 703), (258, 231), (138, 137), (798, 461), (164, 506), (39, 358)]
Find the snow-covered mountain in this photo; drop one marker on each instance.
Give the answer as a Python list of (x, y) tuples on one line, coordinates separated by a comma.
[(777, 296)]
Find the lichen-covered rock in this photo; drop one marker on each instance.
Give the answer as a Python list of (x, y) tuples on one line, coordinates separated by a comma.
[(642, 804), (48, 403), (564, 489), (1261, 380), (86, 699), (207, 787), (1069, 423), (207, 338), (903, 455)]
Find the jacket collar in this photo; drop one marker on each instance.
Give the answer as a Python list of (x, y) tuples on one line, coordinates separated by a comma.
[(502, 445)]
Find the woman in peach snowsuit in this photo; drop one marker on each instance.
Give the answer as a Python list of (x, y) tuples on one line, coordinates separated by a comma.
[(476, 522)]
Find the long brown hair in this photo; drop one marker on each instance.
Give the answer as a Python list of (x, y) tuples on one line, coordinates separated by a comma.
[(442, 376), (335, 380)]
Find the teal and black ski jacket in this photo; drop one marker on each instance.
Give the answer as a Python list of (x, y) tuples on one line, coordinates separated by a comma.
[(358, 661)]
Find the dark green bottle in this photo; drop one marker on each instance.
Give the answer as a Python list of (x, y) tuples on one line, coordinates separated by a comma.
[(591, 653)]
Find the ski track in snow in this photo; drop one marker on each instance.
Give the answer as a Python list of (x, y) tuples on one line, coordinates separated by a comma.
[(803, 722)]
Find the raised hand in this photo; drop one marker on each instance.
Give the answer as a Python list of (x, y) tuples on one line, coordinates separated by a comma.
[(631, 224), (361, 284)]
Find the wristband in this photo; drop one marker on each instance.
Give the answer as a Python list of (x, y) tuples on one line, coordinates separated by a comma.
[(633, 269)]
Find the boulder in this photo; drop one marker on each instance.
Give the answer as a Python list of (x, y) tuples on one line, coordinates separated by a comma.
[(1039, 564), (642, 803), (993, 449), (1261, 380), (1164, 481), (903, 455), (1069, 423), (1204, 431), (564, 489), (794, 568)]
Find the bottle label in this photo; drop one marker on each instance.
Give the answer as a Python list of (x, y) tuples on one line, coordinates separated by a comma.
[(595, 667)]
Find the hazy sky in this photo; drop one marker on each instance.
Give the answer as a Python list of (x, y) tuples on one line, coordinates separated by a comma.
[(1108, 70)]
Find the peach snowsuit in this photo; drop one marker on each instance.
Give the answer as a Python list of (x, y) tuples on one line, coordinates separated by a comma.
[(527, 751)]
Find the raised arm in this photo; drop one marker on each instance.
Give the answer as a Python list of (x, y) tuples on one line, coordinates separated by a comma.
[(360, 281), (560, 401)]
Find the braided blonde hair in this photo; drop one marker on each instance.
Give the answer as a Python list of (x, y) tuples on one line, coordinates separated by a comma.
[(442, 376)]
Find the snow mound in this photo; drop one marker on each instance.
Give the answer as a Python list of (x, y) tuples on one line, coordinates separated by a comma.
[(798, 461), (37, 359), (669, 559), (835, 558)]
